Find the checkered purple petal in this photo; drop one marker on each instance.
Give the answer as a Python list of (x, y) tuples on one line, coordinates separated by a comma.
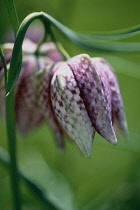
[(95, 94), (118, 115), (45, 105), (26, 110)]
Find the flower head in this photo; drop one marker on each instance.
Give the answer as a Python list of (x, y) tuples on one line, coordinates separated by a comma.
[(27, 110), (86, 98)]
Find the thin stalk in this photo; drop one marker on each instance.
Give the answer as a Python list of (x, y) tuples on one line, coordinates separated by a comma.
[(4, 65), (11, 137), (59, 46), (10, 121)]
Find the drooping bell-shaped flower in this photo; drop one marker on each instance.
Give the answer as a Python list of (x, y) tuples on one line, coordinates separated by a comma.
[(27, 113), (27, 110), (84, 100)]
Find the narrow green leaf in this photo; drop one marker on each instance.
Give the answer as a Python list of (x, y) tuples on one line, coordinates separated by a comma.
[(13, 14), (52, 183), (114, 35), (36, 190)]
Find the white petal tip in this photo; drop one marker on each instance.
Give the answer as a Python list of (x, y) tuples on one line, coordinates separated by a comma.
[(87, 154), (86, 150), (113, 140)]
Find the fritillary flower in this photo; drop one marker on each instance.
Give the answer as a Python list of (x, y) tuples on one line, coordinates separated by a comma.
[(27, 110), (86, 99)]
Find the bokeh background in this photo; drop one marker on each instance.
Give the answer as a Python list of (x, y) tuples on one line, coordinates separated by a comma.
[(110, 180)]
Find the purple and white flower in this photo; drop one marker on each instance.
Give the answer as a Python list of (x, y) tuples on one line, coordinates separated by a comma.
[(27, 91), (86, 98)]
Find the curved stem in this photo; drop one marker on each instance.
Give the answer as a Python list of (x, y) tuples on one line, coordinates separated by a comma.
[(62, 50), (69, 34), (14, 71), (45, 18)]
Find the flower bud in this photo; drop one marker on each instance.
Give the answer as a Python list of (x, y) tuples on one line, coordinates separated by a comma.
[(83, 99), (49, 49)]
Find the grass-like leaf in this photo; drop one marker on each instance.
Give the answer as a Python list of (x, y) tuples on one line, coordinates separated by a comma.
[(115, 35), (39, 194)]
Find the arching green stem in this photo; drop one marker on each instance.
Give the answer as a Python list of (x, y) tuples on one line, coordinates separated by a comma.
[(69, 34)]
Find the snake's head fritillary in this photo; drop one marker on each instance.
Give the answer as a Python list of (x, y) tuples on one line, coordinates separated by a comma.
[(27, 113), (27, 110), (84, 92)]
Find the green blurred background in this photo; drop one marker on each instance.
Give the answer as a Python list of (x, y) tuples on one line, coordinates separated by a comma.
[(110, 180)]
